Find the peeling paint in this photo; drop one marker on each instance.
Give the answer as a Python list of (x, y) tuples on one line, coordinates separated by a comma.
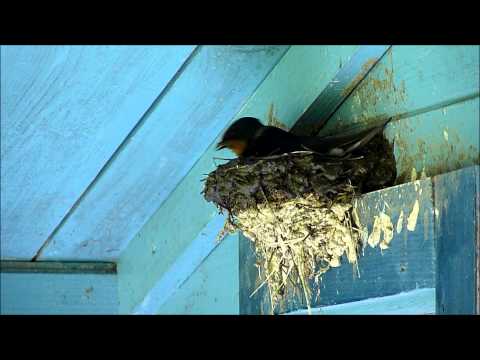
[(381, 224), (412, 218)]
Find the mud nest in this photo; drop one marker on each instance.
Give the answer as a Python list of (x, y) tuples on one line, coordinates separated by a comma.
[(297, 210)]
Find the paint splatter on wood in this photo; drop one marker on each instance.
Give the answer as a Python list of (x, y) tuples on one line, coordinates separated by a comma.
[(412, 218)]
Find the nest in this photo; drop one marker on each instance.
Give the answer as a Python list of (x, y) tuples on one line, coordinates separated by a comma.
[(297, 210)]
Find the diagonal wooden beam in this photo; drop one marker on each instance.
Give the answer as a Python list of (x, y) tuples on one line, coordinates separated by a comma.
[(339, 88)]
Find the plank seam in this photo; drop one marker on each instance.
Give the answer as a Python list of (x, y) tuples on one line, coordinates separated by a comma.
[(215, 138), (116, 153), (58, 267), (301, 122), (357, 85)]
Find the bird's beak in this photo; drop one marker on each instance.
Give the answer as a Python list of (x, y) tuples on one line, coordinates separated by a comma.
[(221, 145)]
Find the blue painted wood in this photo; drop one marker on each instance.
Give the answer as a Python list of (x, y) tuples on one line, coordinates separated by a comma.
[(339, 88), (437, 141), (457, 200), (427, 89), (185, 265), (407, 264), (291, 86), (294, 84), (213, 287), (208, 93), (249, 281), (58, 294), (416, 302), (65, 110), (409, 80)]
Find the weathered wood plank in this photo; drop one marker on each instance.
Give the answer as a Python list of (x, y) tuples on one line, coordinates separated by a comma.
[(64, 111), (407, 264), (294, 84), (182, 269), (408, 80), (457, 225), (291, 86), (58, 294), (210, 90), (213, 288), (249, 280), (339, 88), (428, 89), (438, 141), (415, 302)]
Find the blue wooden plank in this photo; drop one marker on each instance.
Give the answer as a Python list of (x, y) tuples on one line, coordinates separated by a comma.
[(407, 263), (339, 88), (65, 109), (185, 265), (409, 80), (294, 84), (427, 89), (291, 86), (210, 90), (416, 302), (58, 294), (213, 287), (438, 141), (457, 200)]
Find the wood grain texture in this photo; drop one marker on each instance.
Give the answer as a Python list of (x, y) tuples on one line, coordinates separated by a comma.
[(207, 94), (415, 302), (437, 141), (58, 294), (456, 199), (408, 80), (427, 89), (350, 74), (65, 110), (291, 86)]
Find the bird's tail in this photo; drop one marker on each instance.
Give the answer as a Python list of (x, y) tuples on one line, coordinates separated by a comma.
[(341, 145)]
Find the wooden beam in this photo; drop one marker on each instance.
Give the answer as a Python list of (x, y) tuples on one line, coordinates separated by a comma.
[(58, 293), (212, 289), (339, 88), (65, 110), (162, 149), (183, 267), (432, 94), (457, 197), (58, 267), (415, 302)]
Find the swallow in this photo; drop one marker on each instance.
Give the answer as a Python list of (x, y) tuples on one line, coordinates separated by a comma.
[(248, 137)]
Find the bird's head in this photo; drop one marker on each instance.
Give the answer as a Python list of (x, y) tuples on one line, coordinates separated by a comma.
[(239, 134)]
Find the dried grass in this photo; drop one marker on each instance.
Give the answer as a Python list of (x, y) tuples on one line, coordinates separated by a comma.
[(297, 209)]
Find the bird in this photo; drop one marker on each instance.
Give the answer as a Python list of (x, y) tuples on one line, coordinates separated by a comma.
[(248, 137)]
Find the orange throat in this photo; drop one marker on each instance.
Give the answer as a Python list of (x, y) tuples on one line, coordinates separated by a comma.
[(237, 146)]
